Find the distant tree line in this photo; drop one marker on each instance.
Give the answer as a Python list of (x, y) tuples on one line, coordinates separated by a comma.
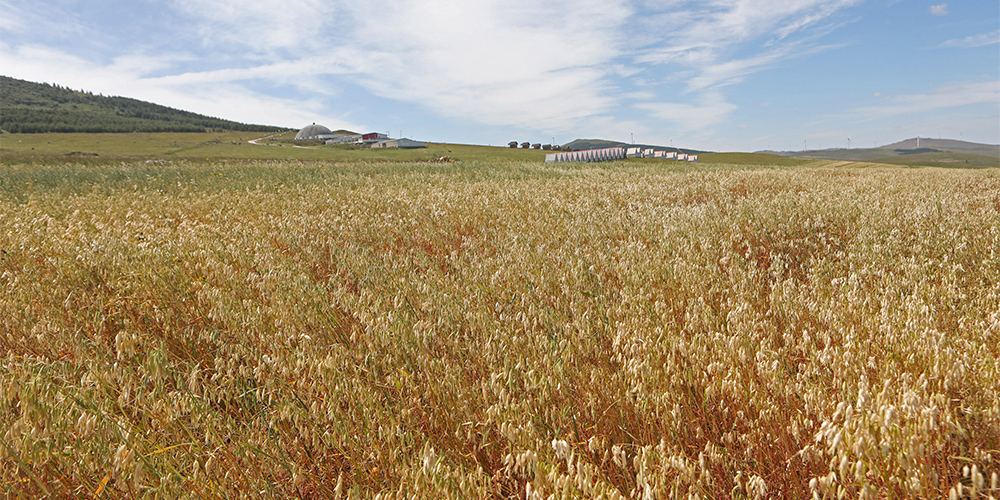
[(27, 107)]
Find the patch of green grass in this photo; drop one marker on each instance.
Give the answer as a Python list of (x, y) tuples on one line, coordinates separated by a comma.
[(943, 160), (235, 145), (763, 159), (17, 147)]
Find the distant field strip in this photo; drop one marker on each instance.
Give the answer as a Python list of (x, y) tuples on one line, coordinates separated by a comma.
[(498, 329)]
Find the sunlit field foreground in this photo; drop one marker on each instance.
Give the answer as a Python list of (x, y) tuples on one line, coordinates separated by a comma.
[(498, 330)]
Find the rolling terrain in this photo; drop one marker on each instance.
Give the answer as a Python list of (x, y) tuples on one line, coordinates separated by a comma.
[(30, 107), (946, 153)]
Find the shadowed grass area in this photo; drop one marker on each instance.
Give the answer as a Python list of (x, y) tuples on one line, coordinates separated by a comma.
[(484, 329)]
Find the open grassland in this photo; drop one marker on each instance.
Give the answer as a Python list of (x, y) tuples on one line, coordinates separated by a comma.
[(945, 160), (498, 330), (763, 159), (50, 148)]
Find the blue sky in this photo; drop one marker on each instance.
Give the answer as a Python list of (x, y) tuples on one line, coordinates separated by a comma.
[(723, 75)]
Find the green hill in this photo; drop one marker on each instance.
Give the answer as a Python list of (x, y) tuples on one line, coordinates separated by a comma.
[(943, 159), (930, 153), (925, 145), (28, 107)]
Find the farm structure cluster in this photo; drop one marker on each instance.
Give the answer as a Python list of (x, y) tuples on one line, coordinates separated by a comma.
[(618, 153), (528, 145), (374, 140)]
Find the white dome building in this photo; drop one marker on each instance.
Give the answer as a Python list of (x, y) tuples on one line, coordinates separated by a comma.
[(313, 132)]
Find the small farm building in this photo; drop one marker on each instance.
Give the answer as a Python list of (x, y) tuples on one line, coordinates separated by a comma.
[(343, 139), (399, 143), (373, 137)]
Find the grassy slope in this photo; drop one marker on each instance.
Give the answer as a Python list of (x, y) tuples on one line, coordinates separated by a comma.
[(36, 107), (234, 145), (936, 159), (943, 159), (229, 145), (950, 145), (950, 153), (750, 159)]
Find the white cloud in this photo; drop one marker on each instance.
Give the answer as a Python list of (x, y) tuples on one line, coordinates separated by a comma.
[(20, 18), (939, 9), (732, 71), (519, 63), (508, 63), (709, 109), (224, 97), (498, 62), (706, 36), (980, 40), (13, 18), (261, 26), (553, 65), (702, 31), (936, 99)]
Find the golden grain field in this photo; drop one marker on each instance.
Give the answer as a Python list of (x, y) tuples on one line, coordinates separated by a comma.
[(498, 330)]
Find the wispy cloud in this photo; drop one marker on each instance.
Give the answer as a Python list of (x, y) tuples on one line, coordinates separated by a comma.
[(52, 20), (127, 76), (520, 63), (939, 9), (549, 64), (500, 62), (709, 109), (974, 40), (13, 19), (261, 27), (936, 99), (720, 43), (554, 65), (704, 31)]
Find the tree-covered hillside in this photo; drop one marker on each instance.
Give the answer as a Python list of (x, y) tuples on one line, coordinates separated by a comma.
[(28, 107)]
